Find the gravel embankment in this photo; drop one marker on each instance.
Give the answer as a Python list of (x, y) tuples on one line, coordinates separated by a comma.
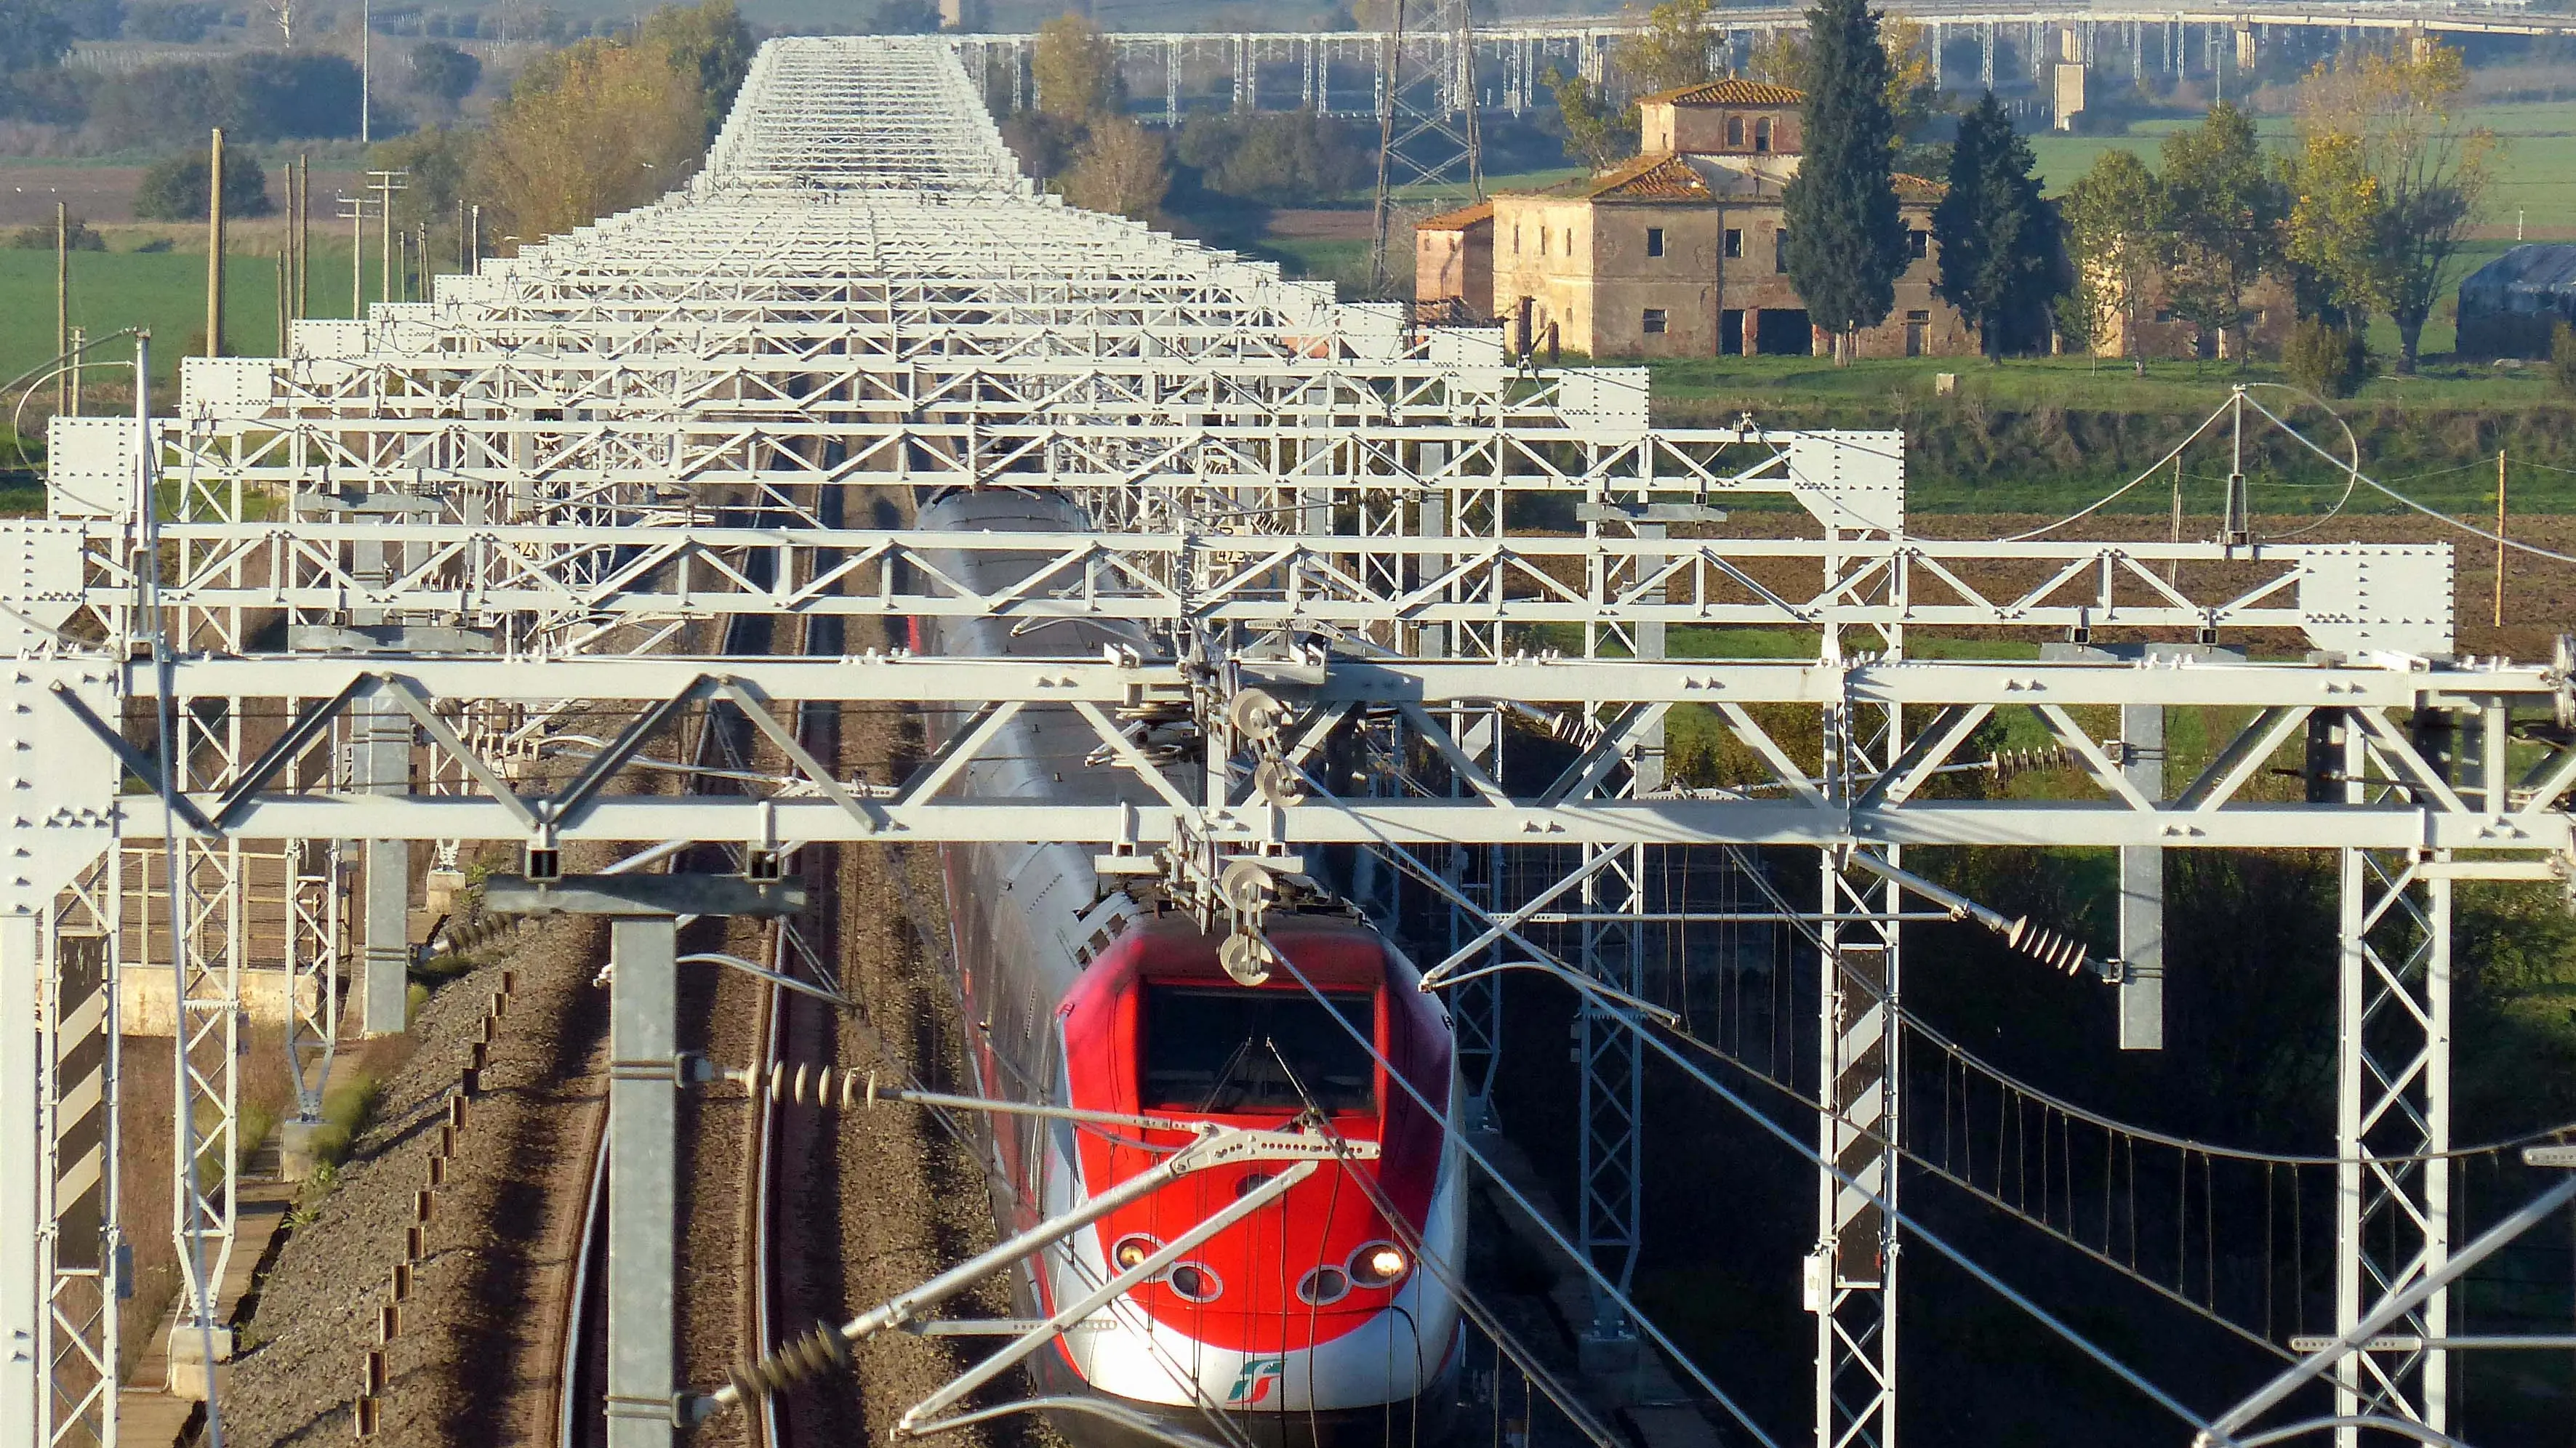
[(475, 1334)]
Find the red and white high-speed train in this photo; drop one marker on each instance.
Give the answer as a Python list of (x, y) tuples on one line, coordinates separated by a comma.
[(1309, 1322)]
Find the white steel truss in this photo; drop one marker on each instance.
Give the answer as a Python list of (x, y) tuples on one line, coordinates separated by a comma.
[(473, 517)]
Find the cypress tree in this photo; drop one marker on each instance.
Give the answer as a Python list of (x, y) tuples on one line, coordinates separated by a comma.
[(1997, 238), (1846, 242)]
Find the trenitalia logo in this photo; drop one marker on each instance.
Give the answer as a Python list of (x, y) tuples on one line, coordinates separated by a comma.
[(1255, 1381)]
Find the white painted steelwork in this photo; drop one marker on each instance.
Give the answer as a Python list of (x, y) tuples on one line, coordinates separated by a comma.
[(483, 513)]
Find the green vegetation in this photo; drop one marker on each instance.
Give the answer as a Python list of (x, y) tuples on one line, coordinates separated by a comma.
[(176, 189), (2534, 178), (1846, 242), (2051, 434), (164, 291), (1998, 243), (347, 1107)]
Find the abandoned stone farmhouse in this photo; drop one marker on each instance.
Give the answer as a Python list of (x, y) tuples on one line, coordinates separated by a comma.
[(1676, 252)]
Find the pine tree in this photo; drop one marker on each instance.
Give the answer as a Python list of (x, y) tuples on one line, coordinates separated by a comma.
[(1846, 241), (1997, 238)]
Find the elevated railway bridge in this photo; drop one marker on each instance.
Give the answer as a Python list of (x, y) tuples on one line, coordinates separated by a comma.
[(383, 571), (1500, 62)]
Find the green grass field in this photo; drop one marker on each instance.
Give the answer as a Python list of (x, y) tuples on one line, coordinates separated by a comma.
[(162, 291), (2535, 173)]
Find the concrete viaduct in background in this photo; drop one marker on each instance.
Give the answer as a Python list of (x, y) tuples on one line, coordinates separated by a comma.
[(1342, 72)]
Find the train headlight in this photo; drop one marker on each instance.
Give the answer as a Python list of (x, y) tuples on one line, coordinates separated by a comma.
[(1132, 1250), (1192, 1280), (1380, 1264), (1324, 1286)]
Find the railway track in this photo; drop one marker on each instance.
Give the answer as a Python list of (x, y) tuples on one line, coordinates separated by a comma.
[(725, 744)]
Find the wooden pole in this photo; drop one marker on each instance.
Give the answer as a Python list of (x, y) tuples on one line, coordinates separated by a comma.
[(358, 258), (215, 244), (304, 236), (286, 258), (78, 341), (62, 301), (2499, 578), (385, 237)]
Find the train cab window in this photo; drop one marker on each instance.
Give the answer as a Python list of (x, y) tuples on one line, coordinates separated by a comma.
[(1220, 1049)]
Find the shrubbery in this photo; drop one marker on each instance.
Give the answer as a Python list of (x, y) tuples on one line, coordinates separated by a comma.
[(261, 96), (2328, 361), (80, 236), (175, 189), (1296, 158), (2562, 359)]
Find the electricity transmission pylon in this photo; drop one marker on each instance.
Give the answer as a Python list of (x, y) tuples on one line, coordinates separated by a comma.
[(1426, 111)]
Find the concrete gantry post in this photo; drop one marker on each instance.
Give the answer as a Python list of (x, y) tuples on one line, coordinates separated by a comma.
[(643, 1179), (2142, 887), (380, 744), (645, 1073)]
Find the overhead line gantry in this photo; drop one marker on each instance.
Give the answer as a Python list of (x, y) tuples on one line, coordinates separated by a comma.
[(396, 562)]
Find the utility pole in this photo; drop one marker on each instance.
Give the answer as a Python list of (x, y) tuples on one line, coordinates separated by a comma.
[(355, 211), (78, 342), (215, 244), (293, 267), (366, 68), (2499, 581), (474, 236), (62, 301), (385, 184), (303, 228)]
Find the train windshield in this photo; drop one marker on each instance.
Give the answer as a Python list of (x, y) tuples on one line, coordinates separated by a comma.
[(1229, 1049)]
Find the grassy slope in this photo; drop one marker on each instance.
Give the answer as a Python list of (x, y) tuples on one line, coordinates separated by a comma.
[(2536, 172), (2046, 435), (164, 291)]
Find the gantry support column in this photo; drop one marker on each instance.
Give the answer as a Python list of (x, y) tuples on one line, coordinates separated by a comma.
[(380, 742), (643, 1179), (1851, 1275), (644, 1080), (2142, 888), (2392, 1120), (1851, 1278), (24, 1269), (1612, 1156)]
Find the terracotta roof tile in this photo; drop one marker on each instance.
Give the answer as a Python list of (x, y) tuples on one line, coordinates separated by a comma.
[(1659, 177), (1458, 220), (1731, 91)]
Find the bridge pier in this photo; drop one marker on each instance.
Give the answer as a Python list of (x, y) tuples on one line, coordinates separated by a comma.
[(1986, 61)]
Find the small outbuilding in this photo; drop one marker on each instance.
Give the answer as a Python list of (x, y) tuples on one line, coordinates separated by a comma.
[(1453, 261), (2508, 306)]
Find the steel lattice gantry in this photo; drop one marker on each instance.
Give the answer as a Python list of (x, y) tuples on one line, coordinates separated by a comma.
[(420, 544)]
